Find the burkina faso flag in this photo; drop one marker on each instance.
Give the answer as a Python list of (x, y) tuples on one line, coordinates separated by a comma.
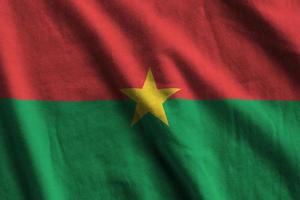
[(149, 99)]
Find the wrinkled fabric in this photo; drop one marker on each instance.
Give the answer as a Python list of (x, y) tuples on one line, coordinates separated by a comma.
[(233, 130), (88, 50)]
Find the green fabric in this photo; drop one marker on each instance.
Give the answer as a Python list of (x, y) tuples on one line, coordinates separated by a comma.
[(215, 150)]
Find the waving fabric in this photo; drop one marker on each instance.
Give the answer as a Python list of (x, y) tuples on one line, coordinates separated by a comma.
[(149, 99)]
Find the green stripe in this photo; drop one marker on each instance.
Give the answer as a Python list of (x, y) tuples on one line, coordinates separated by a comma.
[(215, 150)]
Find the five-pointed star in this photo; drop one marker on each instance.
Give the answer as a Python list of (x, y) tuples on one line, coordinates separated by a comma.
[(149, 99)]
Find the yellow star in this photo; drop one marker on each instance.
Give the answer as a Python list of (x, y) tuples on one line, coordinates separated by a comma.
[(149, 99)]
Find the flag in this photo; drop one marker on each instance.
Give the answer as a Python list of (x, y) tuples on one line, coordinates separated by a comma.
[(149, 100)]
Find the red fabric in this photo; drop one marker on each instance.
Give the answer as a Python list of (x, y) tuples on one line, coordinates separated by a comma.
[(89, 50)]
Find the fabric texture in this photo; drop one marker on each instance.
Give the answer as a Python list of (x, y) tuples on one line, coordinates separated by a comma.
[(149, 99)]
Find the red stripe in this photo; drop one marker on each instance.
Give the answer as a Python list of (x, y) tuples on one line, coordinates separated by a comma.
[(89, 50)]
